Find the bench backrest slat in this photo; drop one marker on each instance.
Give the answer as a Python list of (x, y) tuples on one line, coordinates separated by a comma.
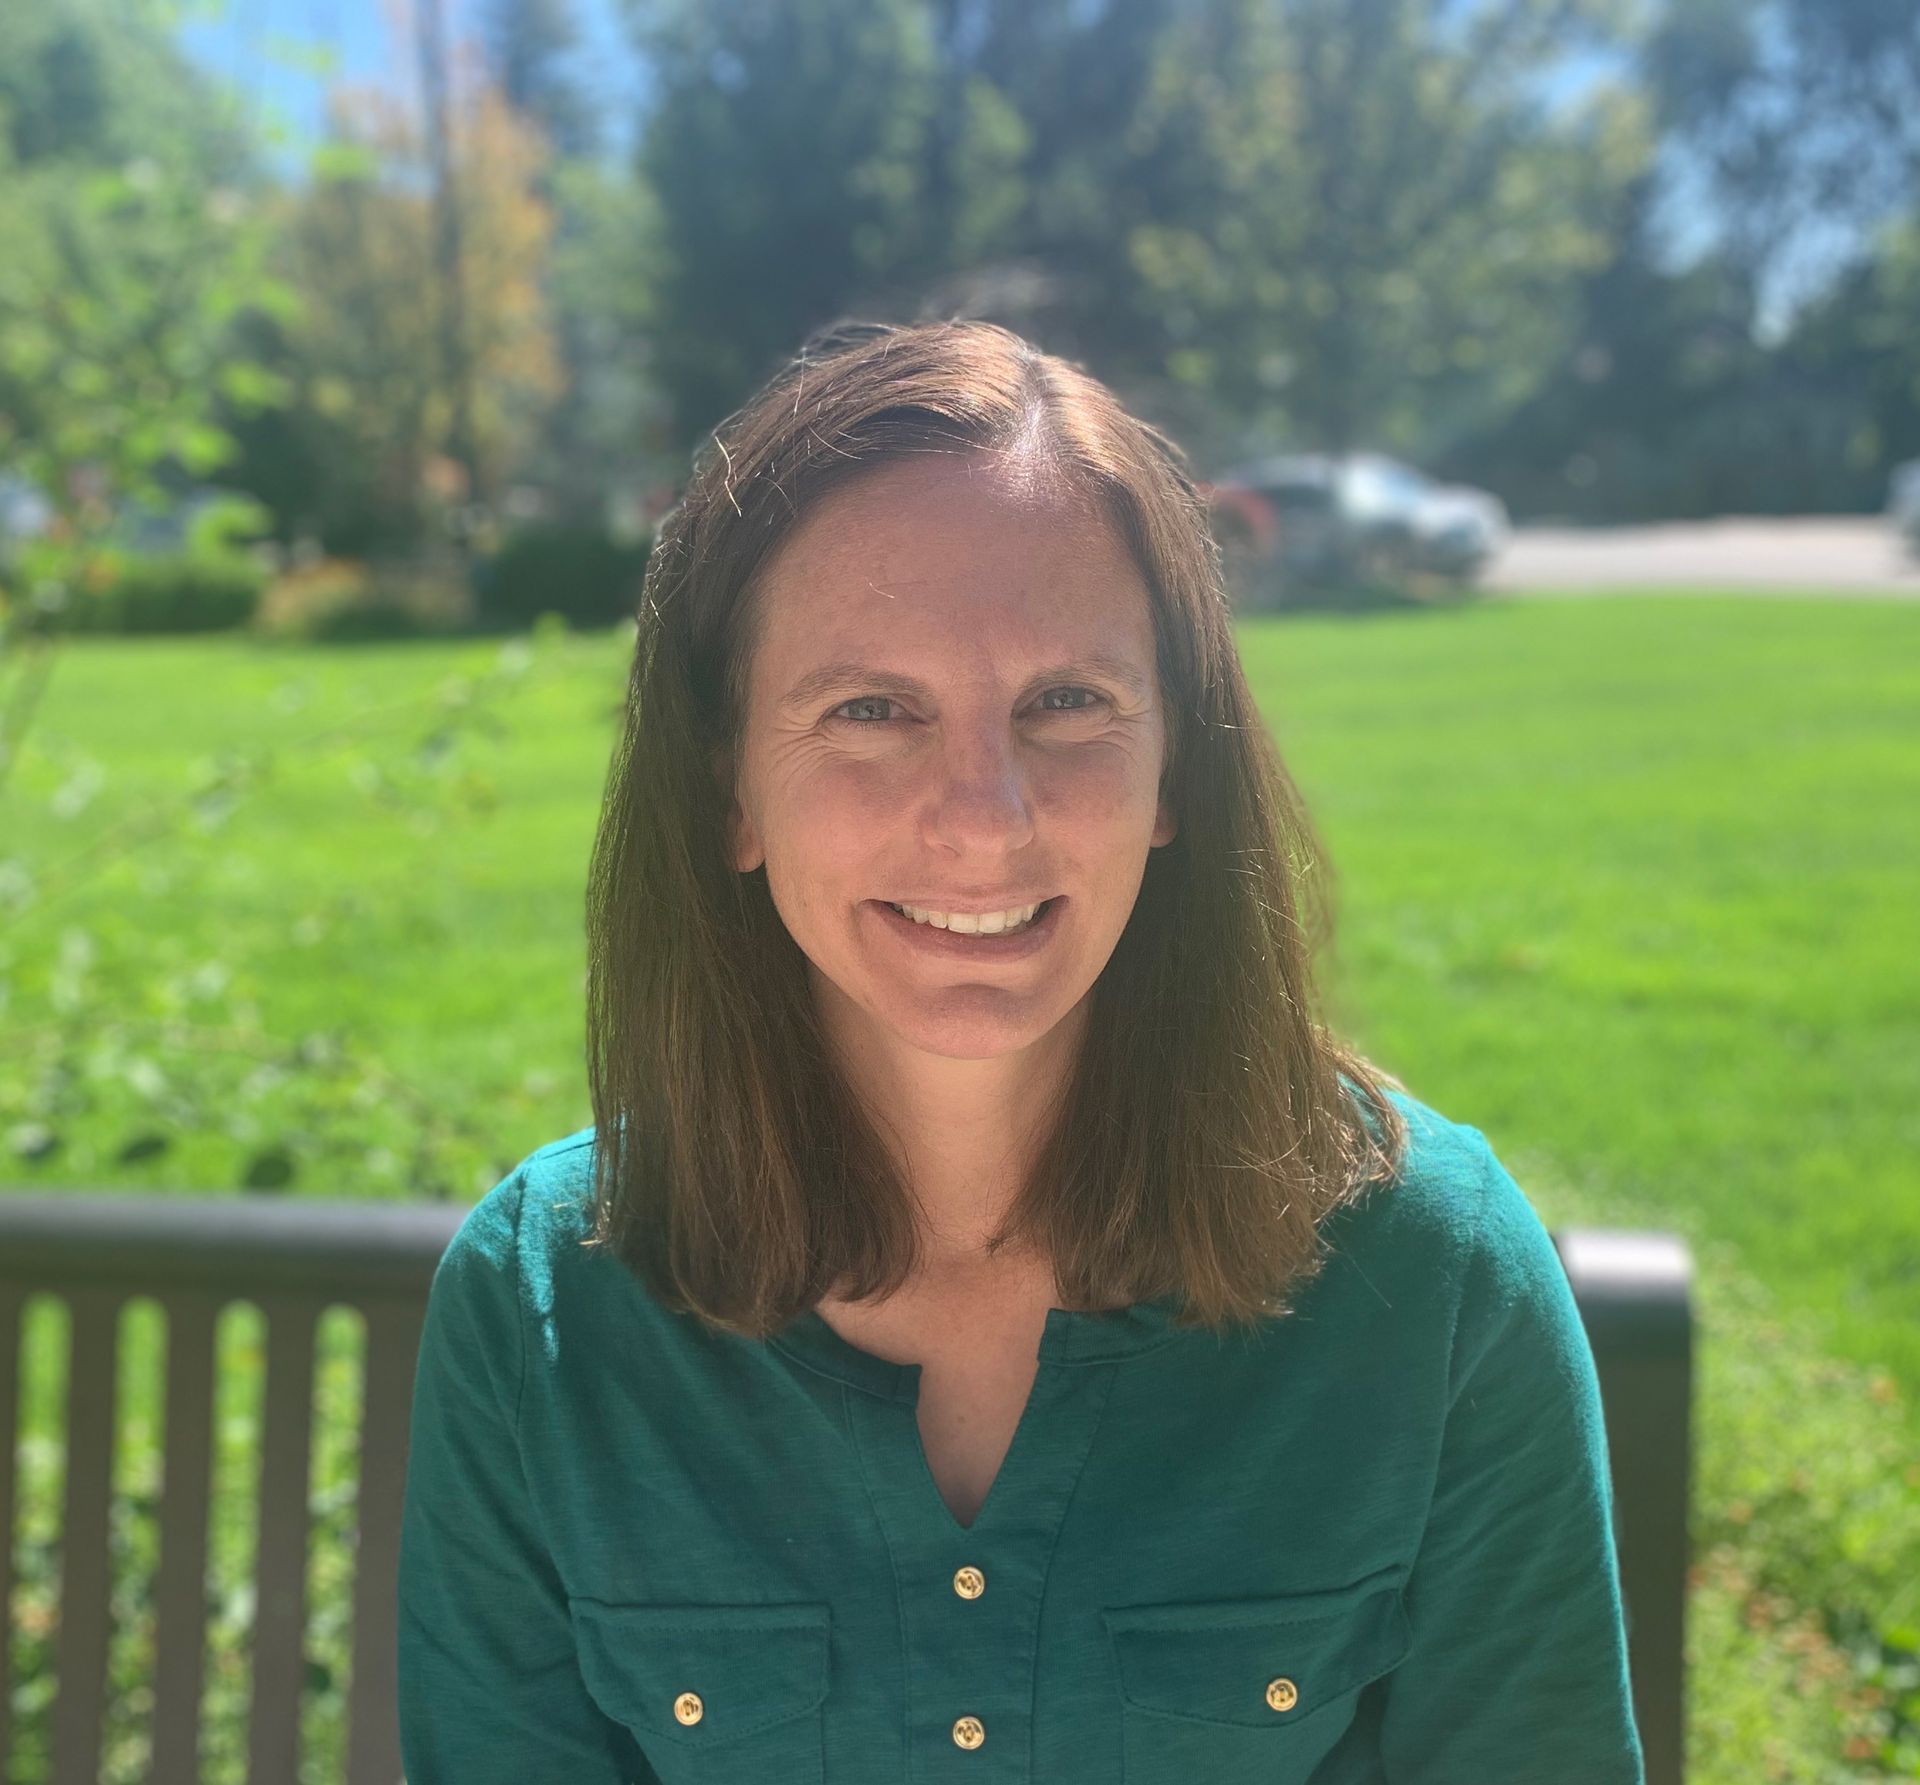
[(11, 1300), (186, 1497), (93, 1356), (393, 1348), (280, 1568)]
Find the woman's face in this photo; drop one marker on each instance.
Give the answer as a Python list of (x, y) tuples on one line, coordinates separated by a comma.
[(951, 706)]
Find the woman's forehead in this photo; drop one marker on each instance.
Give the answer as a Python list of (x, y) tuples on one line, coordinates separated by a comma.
[(974, 620), (960, 497), (916, 545)]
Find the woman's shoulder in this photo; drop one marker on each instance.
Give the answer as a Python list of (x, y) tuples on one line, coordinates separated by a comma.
[(1451, 1205), (557, 1182), (531, 1215), (1449, 1254)]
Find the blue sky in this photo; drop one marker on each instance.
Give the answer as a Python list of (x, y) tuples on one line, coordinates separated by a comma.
[(263, 50)]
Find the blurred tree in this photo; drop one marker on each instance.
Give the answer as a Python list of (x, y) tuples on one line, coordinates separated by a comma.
[(1799, 119), (1393, 248), (117, 293), (532, 50), (919, 157), (1123, 119), (355, 460), (1671, 403), (1333, 219), (135, 243), (602, 434), (787, 149), (53, 84), (608, 435), (1863, 338), (1324, 219), (1663, 406), (101, 81)]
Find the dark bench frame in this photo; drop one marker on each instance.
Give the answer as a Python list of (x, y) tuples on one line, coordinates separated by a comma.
[(295, 1259)]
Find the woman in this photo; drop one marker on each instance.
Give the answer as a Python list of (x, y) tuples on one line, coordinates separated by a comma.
[(991, 1330)]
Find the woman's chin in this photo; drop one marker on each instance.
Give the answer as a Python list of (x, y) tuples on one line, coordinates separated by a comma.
[(972, 1023), (977, 1021)]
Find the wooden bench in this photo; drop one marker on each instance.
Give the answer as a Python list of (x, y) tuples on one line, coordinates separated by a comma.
[(295, 1259)]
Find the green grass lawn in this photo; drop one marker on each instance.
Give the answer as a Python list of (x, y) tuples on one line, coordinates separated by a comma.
[(1633, 885)]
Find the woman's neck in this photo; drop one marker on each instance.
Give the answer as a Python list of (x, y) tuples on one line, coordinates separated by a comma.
[(964, 1132)]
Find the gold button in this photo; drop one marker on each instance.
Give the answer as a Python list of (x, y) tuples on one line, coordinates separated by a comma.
[(688, 1708), (968, 1732), (1282, 1694), (969, 1583)]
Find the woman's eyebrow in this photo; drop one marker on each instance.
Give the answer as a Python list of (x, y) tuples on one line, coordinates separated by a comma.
[(830, 678)]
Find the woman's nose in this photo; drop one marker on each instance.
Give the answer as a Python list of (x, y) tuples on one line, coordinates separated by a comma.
[(982, 798)]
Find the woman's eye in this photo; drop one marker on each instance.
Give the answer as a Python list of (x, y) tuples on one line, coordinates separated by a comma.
[(864, 700), (865, 709)]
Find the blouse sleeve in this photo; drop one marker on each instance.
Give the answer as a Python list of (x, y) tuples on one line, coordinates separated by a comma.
[(1518, 1664), (489, 1685)]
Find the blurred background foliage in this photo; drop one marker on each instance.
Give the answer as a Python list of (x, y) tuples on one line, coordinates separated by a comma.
[(1441, 229)]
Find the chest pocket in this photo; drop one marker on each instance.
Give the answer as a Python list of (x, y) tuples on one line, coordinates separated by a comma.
[(1250, 1691), (712, 1693)]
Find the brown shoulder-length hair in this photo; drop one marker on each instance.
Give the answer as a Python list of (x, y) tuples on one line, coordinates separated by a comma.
[(1205, 1131)]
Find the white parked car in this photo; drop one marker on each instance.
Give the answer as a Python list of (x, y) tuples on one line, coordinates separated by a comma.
[(1315, 518)]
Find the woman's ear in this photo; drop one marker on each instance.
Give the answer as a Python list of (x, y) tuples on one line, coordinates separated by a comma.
[(1165, 824), (743, 841)]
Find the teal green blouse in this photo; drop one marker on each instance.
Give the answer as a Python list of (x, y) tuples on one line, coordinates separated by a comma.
[(1371, 1542)]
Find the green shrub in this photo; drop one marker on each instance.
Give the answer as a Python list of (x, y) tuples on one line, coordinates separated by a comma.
[(582, 573), (190, 592), (339, 600)]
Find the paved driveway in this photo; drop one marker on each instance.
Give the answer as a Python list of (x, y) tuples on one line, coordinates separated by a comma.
[(1814, 555)]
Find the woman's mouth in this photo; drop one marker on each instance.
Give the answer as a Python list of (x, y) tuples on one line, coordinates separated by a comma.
[(976, 923), (964, 935)]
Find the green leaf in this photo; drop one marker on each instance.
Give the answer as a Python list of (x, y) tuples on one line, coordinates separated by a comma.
[(318, 61), (344, 161), (272, 1168), (251, 387), (202, 447), (148, 1145), (227, 523)]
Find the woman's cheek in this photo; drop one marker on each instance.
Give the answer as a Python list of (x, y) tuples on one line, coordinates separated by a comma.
[(1102, 787), (815, 788), (864, 793)]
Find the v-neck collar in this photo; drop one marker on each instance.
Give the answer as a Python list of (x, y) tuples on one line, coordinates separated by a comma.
[(1071, 1337)]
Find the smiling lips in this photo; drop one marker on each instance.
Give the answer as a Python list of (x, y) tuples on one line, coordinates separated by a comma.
[(974, 923)]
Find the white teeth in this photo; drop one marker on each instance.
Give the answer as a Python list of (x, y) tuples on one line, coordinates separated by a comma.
[(970, 923)]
